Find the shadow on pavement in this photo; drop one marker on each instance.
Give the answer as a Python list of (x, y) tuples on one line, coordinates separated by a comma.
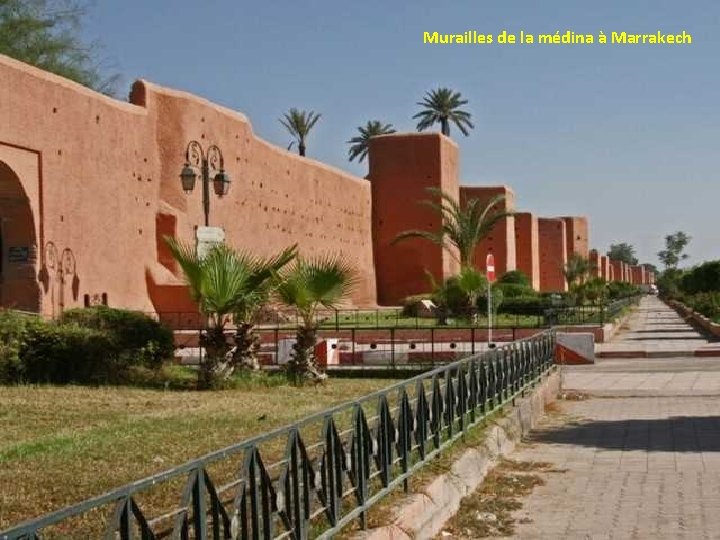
[(675, 434)]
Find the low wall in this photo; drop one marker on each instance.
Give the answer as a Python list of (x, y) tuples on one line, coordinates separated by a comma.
[(422, 515), (697, 318)]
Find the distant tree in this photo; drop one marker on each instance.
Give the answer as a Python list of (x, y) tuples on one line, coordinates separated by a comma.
[(462, 227), (442, 106), (360, 144), (623, 252), (299, 123), (651, 268), (46, 34), (675, 244)]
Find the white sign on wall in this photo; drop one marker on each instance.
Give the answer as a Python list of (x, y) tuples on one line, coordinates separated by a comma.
[(207, 237)]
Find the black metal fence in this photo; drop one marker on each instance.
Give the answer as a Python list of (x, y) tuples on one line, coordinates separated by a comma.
[(544, 317), (313, 478)]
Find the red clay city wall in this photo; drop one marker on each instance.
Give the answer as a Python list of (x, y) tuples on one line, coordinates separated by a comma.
[(577, 236), (527, 247), (101, 183), (595, 264), (402, 168), (501, 240), (553, 254)]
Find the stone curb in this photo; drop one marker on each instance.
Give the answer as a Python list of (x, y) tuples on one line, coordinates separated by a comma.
[(422, 515)]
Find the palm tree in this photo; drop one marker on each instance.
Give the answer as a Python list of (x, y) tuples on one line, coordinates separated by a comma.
[(312, 283), (462, 227), (360, 143), (472, 283), (577, 269), (443, 106), (299, 123), (227, 284)]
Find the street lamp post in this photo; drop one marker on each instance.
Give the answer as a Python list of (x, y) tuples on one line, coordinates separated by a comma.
[(210, 165)]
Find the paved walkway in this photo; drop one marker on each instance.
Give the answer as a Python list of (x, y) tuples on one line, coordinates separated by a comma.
[(641, 468), (655, 330), (640, 458)]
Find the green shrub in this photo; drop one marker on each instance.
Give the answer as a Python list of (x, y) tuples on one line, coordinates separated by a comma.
[(14, 328), (65, 353), (135, 338), (515, 290), (515, 277), (524, 305), (617, 290), (702, 278), (707, 303)]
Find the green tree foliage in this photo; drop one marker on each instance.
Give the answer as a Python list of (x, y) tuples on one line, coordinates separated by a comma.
[(462, 228), (675, 244), (299, 123), (360, 144), (308, 285), (46, 34), (623, 252), (443, 106), (702, 278), (227, 284), (577, 269), (515, 277)]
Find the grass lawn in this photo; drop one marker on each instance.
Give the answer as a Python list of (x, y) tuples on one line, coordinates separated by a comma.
[(59, 445)]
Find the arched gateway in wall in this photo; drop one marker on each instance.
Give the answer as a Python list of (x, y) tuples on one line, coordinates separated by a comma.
[(19, 288)]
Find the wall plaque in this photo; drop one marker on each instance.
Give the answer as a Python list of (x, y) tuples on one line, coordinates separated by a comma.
[(18, 254)]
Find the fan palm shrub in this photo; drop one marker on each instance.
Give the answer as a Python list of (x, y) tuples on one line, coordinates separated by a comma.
[(308, 285), (443, 106), (228, 285)]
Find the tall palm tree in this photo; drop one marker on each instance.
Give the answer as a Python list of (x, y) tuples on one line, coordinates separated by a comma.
[(360, 143), (227, 284), (443, 106), (299, 123), (309, 284), (462, 227)]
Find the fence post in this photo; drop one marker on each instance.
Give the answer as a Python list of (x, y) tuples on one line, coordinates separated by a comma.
[(392, 347), (432, 345), (352, 337)]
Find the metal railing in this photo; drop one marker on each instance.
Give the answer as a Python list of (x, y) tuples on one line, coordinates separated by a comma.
[(339, 319), (335, 465)]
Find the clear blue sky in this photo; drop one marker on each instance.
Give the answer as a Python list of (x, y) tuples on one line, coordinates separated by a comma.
[(627, 135)]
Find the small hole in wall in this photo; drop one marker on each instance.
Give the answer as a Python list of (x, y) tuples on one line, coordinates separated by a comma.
[(86, 300), (202, 136), (261, 185), (62, 218), (54, 110), (140, 231), (97, 119), (59, 152)]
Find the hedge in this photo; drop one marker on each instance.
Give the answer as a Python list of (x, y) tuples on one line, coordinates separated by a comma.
[(95, 345)]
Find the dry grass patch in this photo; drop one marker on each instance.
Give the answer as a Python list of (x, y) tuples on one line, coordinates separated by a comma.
[(489, 510), (60, 445)]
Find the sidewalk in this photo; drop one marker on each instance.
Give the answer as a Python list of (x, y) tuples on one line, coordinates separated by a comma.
[(655, 330), (626, 468)]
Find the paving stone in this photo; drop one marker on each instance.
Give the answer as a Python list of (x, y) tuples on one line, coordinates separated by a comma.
[(620, 484)]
